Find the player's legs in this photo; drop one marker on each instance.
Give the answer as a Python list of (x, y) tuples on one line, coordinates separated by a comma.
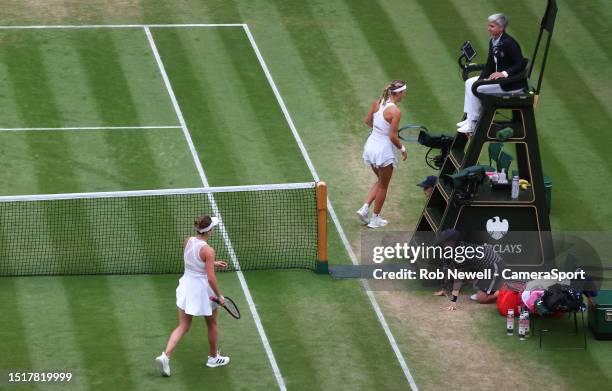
[(213, 333), (384, 178), (364, 212), (179, 331), (374, 189), (214, 358)]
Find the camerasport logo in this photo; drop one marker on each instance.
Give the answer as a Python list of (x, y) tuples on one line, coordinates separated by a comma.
[(496, 228)]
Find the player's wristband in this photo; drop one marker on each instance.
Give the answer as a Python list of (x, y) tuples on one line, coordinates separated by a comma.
[(403, 149), (453, 298)]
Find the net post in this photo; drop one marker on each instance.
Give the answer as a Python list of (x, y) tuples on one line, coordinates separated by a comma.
[(321, 192)]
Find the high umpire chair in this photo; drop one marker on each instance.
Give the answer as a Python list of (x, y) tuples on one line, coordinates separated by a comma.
[(445, 209)]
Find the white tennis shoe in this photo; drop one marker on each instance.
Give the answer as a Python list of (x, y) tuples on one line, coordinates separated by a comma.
[(468, 127), (217, 361), (163, 364), (460, 124), (363, 212), (377, 222)]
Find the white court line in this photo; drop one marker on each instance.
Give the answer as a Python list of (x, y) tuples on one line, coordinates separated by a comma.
[(332, 213), (230, 249), (91, 128), (118, 26)]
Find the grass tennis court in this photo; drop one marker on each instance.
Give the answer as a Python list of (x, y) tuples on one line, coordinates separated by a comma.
[(214, 72), (329, 60)]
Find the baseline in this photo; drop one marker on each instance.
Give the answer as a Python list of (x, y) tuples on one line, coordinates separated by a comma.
[(86, 128), (117, 26)]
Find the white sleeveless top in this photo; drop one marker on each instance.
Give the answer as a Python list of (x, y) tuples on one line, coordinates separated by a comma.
[(194, 266), (381, 126)]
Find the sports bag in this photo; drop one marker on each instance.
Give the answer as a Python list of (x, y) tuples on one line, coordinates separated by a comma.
[(507, 299), (562, 298)]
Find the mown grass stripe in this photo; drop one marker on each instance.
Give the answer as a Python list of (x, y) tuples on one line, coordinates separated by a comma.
[(123, 145), (594, 17), (104, 73), (385, 40), (192, 86), (585, 53), (49, 334), (15, 344), (322, 64), (271, 137), (94, 318), (245, 126), (22, 67)]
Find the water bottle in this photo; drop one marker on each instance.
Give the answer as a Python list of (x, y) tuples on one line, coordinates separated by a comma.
[(515, 187), (503, 178), (523, 324), (527, 327), (510, 322)]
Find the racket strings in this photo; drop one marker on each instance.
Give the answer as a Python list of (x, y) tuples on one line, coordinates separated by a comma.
[(231, 307)]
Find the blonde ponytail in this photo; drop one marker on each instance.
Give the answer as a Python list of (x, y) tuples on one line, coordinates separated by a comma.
[(386, 93)]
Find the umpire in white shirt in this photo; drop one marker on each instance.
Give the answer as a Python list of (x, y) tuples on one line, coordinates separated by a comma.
[(505, 59)]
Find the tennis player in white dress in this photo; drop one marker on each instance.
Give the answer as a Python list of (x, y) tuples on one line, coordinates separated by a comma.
[(193, 296), (379, 150)]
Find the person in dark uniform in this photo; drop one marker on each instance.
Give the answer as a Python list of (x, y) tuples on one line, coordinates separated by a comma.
[(428, 185), (505, 59), (487, 288)]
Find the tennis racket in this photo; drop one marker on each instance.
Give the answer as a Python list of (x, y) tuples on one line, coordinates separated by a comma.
[(229, 306), (404, 136)]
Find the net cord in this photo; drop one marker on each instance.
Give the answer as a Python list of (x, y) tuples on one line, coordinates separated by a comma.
[(141, 193)]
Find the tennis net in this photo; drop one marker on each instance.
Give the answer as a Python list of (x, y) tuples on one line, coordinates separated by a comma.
[(142, 232)]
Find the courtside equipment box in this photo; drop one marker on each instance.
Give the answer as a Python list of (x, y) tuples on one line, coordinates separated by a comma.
[(600, 315)]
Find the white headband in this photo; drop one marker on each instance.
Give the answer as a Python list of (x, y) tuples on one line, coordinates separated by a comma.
[(214, 221), (399, 89)]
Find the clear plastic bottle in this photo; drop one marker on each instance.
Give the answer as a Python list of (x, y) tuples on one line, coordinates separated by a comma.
[(523, 325), (510, 322), (515, 187), (503, 178)]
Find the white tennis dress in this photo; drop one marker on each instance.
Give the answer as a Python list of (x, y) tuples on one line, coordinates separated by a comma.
[(193, 292), (378, 150)]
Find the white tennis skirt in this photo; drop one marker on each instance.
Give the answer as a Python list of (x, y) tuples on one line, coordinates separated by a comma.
[(379, 151), (193, 296)]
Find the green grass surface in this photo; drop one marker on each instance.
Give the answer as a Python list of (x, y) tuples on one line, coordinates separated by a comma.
[(329, 59), (70, 161)]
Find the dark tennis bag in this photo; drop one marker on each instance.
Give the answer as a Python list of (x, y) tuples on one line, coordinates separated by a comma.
[(562, 298), (600, 315)]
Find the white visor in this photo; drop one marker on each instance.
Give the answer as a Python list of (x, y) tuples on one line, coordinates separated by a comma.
[(214, 221), (399, 89)]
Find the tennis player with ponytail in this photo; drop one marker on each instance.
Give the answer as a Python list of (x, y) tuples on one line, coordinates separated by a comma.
[(193, 295), (379, 150)]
